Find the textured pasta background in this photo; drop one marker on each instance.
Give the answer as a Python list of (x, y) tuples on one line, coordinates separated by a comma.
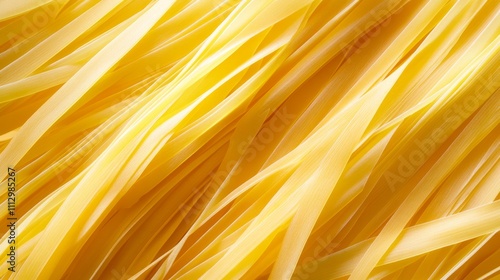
[(250, 139)]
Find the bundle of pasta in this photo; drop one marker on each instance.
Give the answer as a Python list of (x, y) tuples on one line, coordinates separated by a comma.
[(263, 139)]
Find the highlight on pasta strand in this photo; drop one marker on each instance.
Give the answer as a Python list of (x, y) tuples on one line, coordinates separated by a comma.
[(237, 139)]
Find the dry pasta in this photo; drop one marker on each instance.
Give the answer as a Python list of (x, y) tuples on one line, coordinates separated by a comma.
[(237, 139)]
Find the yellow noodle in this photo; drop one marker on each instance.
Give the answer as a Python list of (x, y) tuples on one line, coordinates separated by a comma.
[(238, 139)]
